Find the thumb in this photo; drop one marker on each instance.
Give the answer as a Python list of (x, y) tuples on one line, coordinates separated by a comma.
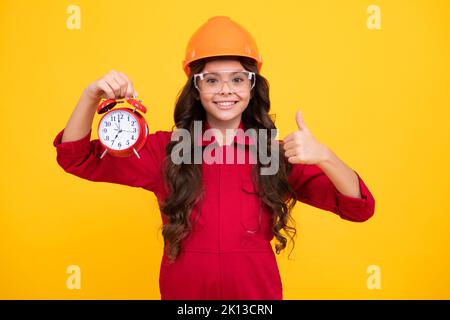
[(299, 117)]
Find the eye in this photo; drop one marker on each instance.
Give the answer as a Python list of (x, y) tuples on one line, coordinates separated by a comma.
[(238, 79), (210, 80)]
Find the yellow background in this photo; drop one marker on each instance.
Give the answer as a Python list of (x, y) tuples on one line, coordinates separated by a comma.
[(378, 98)]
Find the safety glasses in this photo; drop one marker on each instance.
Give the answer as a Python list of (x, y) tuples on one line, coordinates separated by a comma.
[(213, 82)]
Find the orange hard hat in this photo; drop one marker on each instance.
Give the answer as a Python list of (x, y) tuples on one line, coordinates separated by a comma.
[(221, 36)]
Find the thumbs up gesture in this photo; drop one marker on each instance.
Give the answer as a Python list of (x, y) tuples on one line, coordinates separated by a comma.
[(302, 147)]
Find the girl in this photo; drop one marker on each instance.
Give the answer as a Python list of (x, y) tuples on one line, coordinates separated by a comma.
[(219, 218)]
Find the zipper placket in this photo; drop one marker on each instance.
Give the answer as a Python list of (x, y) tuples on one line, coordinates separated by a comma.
[(220, 234)]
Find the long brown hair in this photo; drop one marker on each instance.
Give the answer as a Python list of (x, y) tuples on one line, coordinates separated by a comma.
[(275, 191)]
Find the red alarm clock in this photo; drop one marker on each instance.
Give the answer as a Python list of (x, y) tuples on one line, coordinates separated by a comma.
[(122, 131)]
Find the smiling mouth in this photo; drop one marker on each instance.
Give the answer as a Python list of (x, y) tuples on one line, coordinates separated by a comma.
[(225, 105)]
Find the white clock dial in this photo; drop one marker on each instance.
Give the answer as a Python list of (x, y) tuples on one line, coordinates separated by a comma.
[(119, 130)]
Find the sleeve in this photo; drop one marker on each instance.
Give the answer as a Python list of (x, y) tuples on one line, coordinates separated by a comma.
[(313, 187), (82, 159)]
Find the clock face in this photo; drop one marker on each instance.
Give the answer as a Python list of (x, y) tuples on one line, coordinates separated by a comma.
[(119, 130)]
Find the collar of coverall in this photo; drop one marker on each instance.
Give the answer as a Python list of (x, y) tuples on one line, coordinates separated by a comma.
[(239, 138)]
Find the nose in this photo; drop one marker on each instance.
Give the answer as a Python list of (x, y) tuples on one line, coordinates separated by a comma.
[(228, 88)]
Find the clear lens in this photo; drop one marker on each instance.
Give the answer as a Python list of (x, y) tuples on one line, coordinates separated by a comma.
[(213, 82)]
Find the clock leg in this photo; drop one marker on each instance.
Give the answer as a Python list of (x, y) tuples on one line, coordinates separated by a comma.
[(136, 153), (103, 154)]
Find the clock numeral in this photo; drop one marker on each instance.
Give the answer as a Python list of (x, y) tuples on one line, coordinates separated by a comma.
[(128, 142), (121, 116), (108, 124), (113, 118), (119, 144), (132, 137), (134, 130), (132, 123), (107, 138), (105, 130), (128, 118)]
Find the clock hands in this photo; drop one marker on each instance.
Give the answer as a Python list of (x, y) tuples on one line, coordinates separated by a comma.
[(119, 131), (115, 137), (125, 131)]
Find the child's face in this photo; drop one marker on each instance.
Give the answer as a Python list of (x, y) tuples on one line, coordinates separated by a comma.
[(216, 113)]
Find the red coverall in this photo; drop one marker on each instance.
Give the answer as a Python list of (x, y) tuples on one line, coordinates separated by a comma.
[(228, 254)]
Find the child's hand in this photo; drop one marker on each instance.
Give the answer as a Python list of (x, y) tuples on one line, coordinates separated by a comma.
[(302, 147), (113, 85)]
